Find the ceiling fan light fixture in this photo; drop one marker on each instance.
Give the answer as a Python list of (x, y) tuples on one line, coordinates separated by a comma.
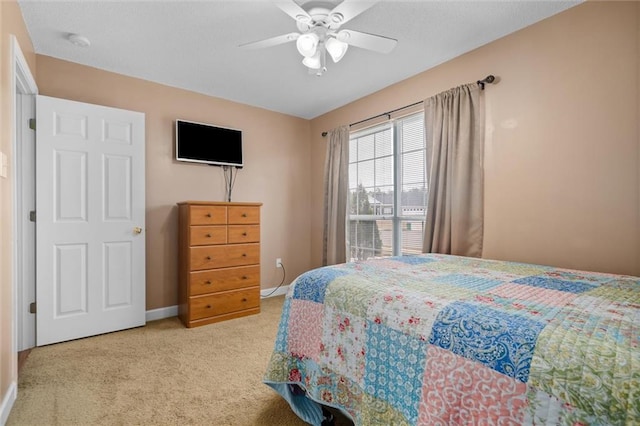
[(307, 44), (336, 48), (314, 62)]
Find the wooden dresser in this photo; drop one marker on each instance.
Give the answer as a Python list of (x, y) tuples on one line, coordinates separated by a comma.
[(219, 261)]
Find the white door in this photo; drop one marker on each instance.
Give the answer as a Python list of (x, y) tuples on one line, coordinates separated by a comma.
[(90, 248)]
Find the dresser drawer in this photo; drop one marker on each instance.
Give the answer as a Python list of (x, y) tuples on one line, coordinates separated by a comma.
[(205, 235), (207, 215), (244, 234), (223, 303), (210, 257), (243, 214), (211, 281)]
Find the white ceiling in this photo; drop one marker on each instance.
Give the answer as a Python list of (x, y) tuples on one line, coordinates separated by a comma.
[(194, 44)]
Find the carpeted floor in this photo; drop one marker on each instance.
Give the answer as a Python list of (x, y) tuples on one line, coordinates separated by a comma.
[(161, 374)]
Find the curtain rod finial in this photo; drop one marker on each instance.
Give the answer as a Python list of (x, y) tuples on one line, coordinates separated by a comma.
[(324, 134), (488, 79)]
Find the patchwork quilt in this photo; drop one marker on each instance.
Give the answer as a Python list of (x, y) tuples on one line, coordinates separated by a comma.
[(441, 340)]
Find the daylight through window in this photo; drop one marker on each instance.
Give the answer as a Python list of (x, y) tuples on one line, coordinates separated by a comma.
[(387, 189)]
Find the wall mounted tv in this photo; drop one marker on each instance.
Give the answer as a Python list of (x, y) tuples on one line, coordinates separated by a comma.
[(208, 144)]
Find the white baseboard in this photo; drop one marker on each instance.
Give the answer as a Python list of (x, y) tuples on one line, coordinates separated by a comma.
[(162, 313), (172, 311), (279, 292), (7, 403)]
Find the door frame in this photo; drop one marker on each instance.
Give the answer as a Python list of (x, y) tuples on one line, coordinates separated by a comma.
[(24, 234), (23, 83)]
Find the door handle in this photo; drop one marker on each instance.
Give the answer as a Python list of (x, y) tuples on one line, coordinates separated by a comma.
[(137, 230)]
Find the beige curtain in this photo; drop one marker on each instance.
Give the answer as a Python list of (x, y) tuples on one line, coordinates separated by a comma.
[(454, 125), (336, 189)]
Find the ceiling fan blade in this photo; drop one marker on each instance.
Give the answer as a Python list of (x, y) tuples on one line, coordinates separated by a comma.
[(367, 41), (292, 9), (269, 42), (347, 10)]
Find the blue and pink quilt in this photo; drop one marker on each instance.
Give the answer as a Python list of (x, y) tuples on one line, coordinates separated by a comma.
[(441, 340)]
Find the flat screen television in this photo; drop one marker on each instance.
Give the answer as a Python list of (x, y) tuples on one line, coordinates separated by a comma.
[(208, 144)]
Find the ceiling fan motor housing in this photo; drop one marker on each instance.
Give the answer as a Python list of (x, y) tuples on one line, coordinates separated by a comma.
[(320, 17)]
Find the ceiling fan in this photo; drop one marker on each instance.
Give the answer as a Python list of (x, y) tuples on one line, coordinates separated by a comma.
[(319, 33)]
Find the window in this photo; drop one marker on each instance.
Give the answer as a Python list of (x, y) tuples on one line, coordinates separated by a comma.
[(387, 189)]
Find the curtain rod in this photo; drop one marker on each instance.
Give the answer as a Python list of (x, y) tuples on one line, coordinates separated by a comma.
[(488, 79)]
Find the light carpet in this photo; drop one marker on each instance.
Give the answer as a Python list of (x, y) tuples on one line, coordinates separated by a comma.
[(160, 374)]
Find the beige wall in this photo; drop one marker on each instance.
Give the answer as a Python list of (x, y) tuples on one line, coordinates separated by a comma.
[(276, 148), (11, 23), (562, 171)]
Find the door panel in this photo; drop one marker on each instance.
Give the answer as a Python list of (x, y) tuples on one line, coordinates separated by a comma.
[(90, 248), (117, 194), (70, 186), (70, 280), (118, 268)]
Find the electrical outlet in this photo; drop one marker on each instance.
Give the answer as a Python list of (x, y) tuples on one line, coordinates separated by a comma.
[(278, 263)]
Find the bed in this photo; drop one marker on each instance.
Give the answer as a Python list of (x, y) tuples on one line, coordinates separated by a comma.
[(441, 340)]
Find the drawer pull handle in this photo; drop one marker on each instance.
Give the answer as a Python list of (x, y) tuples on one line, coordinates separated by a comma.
[(244, 215), (208, 306), (208, 214), (208, 235), (208, 282), (208, 258), (244, 299), (244, 234), (244, 254), (244, 277)]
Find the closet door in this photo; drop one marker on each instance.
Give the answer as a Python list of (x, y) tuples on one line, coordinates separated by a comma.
[(90, 245)]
